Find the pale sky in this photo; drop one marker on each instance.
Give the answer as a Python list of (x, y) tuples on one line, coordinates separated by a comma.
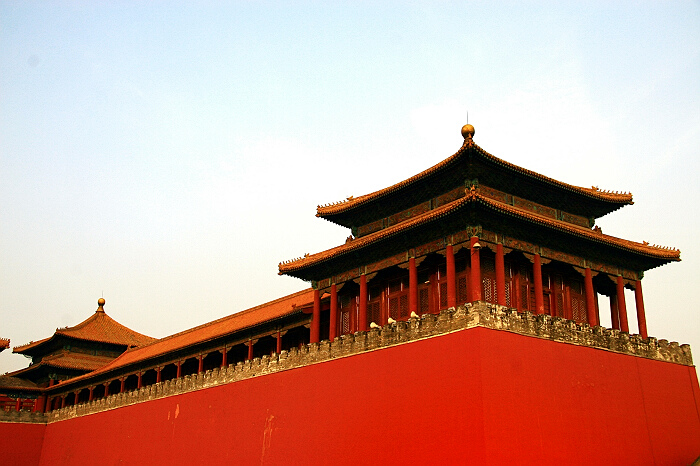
[(168, 156)]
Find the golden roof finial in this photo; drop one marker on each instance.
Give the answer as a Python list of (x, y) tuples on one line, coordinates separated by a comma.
[(468, 131), (100, 305)]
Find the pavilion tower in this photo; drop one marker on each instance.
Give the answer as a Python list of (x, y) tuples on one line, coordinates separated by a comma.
[(475, 228)]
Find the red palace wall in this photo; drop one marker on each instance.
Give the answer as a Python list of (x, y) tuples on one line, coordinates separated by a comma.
[(473, 396), (20, 444)]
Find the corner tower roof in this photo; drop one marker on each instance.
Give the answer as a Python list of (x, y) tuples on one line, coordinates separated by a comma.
[(99, 328), (468, 163)]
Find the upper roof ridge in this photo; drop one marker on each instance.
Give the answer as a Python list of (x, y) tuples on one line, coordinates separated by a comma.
[(351, 202)]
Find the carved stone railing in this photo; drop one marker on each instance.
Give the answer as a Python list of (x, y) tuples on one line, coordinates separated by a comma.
[(479, 314), (23, 417)]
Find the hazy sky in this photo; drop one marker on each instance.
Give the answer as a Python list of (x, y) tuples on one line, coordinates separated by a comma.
[(169, 155)]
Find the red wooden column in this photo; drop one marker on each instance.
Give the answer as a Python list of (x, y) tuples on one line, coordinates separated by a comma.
[(139, 383), (224, 358), (250, 350), (123, 385), (590, 297), (200, 366), (40, 405), (475, 272), (537, 276), (178, 374), (363, 303), (106, 384), (333, 329), (18, 405), (621, 306), (316, 318), (500, 276), (451, 276), (279, 342), (158, 374), (63, 401), (641, 317), (614, 314), (412, 286), (91, 395)]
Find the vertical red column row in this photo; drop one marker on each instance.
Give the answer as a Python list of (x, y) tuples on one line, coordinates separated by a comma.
[(333, 329), (451, 276), (500, 276), (621, 306), (475, 272), (537, 276), (278, 348), (363, 303), (590, 298), (316, 318), (224, 358), (412, 286), (641, 317)]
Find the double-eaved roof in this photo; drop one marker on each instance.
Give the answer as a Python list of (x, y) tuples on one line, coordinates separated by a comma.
[(98, 328), (470, 167), (470, 162)]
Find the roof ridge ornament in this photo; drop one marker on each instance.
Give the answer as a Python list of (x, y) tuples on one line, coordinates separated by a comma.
[(100, 306), (468, 132)]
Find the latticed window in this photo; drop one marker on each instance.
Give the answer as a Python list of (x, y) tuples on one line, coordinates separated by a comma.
[(374, 304), (424, 299), (509, 299), (557, 291), (397, 293), (488, 279), (441, 280), (578, 301), (374, 312), (525, 275), (443, 295), (462, 295), (462, 276), (346, 310)]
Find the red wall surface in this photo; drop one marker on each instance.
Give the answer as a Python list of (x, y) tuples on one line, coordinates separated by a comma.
[(477, 396), (20, 444)]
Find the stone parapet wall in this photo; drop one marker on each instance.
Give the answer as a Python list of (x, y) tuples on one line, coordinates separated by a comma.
[(23, 417), (479, 314)]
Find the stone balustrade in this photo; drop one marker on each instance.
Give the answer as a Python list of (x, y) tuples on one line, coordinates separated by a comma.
[(479, 314)]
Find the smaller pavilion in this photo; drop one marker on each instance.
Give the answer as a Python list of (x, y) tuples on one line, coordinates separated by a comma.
[(68, 353)]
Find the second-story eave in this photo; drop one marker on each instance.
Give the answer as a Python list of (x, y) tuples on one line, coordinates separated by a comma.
[(471, 161), (315, 266)]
